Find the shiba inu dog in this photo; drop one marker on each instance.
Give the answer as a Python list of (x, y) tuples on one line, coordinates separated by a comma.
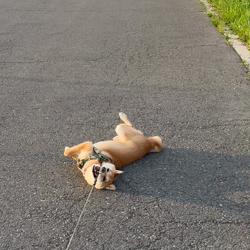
[(101, 162)]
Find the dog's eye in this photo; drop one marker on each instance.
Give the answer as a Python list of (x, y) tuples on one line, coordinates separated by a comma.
[(107, 169), (104, 178)]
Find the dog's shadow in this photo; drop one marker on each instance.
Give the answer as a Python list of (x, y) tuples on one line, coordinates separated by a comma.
[(187, 176)]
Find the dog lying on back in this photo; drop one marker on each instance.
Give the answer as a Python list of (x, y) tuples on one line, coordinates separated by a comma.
[(100, 162)]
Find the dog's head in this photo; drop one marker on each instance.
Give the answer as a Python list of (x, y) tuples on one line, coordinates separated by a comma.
[(104, 175)]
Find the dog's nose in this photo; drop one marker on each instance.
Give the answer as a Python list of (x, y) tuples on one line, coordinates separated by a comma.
[(103, 169)]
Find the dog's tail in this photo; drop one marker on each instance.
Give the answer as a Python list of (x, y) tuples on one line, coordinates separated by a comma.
[(125, 119)]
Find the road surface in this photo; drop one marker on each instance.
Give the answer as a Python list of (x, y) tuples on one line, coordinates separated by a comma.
[(66, 69)]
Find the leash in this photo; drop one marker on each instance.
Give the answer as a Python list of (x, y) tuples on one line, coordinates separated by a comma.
[(71, 238), (80, 163)]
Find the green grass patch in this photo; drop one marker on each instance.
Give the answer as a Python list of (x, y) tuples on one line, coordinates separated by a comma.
[(209, 14), (235, 14), (217, 22), (202, 3), (245, 62)]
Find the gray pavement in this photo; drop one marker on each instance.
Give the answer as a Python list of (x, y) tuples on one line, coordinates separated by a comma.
[(66, 69)]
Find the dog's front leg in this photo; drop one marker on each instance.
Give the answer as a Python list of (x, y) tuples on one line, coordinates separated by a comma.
[(74, 151)]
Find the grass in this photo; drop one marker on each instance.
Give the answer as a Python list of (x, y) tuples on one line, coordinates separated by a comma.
[(245, 62), (235, 14), (204, 6), (217, 22)]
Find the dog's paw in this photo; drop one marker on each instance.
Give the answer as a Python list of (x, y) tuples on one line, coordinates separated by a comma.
[(66, 151), (122, 114), (157, 144), (125, 119)]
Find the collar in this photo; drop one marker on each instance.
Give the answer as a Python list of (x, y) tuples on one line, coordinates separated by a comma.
[(96, 155)]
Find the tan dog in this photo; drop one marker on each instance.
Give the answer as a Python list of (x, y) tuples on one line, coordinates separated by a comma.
[(100, 162)]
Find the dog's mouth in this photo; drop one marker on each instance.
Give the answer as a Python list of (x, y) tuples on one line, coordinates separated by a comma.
[(96, 170)]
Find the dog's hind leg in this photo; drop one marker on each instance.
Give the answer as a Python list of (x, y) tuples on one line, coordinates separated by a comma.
[(121, 135), (125, 132), (125, 119), (117, 138)]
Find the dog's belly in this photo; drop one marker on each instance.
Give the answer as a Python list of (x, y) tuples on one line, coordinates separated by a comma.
[(125, 153)]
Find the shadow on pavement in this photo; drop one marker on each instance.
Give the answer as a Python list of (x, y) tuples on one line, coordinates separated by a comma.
[(187, 176)]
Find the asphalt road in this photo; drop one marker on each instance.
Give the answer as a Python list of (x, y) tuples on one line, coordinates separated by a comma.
[(66, 69)]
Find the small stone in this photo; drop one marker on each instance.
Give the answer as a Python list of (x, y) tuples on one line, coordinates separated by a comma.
[(153, 237)]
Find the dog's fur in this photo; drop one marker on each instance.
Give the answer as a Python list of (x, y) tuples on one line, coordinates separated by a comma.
[(128, 146)]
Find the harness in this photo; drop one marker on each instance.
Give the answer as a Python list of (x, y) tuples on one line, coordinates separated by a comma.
[(96, 155)]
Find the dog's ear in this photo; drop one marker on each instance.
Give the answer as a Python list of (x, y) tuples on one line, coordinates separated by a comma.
[(111, 187), (117, 172)]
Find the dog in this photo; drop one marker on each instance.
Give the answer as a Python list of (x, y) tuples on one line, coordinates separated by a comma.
[(101, 162)]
